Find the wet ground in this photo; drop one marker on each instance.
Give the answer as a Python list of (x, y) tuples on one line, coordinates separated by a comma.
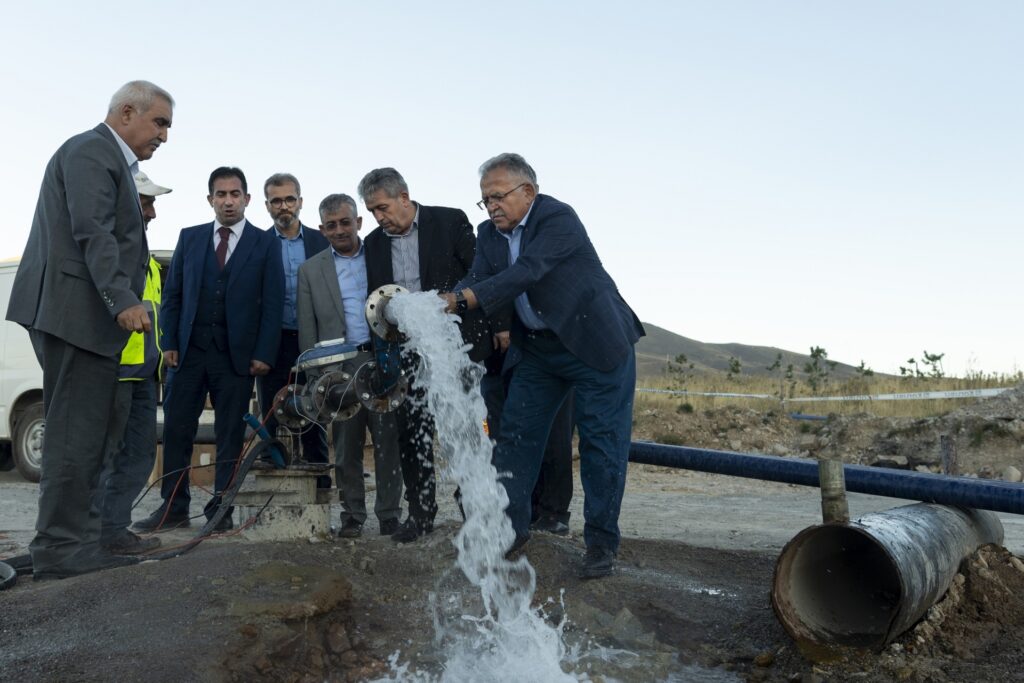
[(689, 600)]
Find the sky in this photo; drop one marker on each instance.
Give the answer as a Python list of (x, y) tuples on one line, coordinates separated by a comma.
[(790, 174)]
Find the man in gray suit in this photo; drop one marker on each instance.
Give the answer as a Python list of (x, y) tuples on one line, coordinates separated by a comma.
[(78, 291), (331, 302)]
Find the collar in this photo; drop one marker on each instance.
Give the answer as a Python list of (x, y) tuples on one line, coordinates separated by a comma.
[(412, 228), (236, 229), (522, 224), (359, 252), (298, 236), (129, 155)]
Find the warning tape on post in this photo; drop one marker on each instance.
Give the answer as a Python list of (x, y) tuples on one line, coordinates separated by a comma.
[(915, 396)]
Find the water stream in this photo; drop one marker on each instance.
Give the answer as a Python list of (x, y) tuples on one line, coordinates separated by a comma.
[(496, 635)]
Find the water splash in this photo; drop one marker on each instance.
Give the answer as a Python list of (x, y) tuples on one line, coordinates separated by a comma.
[(507, 640)]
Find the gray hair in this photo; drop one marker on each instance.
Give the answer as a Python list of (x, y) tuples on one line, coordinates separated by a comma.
[(333, 202), (279, 179), (387, 179), (140, 95), (514, 164)]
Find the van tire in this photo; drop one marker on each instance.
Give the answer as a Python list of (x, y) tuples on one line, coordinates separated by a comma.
[(28, 441)]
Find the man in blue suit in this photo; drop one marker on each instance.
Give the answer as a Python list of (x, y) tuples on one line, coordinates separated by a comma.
[(570, 330), (221, 311)]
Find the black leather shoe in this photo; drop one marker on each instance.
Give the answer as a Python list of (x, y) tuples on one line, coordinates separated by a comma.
[(128, 543), (599, 561), (516, 546), (550, 525), (76, 566), (410, 530), (225, 524), (389, 526), (157, 521), (351, 529)]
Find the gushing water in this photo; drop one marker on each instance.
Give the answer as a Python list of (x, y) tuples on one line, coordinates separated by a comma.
[(507, 640)]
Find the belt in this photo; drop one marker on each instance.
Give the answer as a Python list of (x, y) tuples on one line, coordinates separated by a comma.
[(541, 334), (364, 348)]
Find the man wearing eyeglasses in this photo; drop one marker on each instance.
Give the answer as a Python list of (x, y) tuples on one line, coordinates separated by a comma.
[(298, 243), (420, 248), (571, 330)]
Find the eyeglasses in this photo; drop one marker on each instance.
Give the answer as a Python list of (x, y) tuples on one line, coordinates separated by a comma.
[(278, 202), (495, 198)]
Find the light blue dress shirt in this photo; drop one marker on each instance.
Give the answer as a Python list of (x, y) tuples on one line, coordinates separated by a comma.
[(293, 255), (527, 315), (351, 272)]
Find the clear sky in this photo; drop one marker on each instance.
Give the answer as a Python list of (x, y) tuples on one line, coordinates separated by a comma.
[(839, 174)]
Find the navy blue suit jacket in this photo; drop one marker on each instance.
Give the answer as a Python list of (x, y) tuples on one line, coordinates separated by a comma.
[(568, 287), (254, 300)]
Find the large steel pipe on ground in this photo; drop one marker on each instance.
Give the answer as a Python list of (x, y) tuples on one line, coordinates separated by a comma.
[(1001, 496), (863, 583)]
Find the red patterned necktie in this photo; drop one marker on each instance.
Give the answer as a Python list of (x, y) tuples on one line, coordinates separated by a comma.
[(222, 246)]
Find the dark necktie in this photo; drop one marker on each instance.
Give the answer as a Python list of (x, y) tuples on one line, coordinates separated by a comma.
[(222, 246)]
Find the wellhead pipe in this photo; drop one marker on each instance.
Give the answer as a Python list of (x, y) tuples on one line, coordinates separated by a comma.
[(985, 494), (863, 583)]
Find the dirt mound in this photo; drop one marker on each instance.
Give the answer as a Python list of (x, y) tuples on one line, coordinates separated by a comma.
[(975, 633)]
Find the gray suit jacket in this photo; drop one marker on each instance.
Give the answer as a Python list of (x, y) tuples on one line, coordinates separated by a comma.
[(320, 313), (86, 256)]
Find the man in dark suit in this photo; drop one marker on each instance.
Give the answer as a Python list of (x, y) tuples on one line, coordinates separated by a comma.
[(78, 292), (298, 243), (331, 305), (221, 313), (421, 248), (571, 330)]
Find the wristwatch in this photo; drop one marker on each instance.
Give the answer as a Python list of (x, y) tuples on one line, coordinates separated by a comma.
[(461, 305)]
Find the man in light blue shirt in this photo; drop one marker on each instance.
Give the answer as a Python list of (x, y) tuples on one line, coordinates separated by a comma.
[(298, 243), (331, 303)]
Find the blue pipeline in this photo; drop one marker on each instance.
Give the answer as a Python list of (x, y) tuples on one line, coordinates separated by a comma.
[(982, 494)]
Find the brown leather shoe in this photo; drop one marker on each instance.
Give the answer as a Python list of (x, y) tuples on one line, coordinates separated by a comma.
[(128, 543)]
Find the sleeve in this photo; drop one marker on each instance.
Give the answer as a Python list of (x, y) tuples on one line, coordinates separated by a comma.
[(268, 338), (92, 198)]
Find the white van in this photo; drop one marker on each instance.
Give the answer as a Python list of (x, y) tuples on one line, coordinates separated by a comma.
[(21, 390), (22, 418)]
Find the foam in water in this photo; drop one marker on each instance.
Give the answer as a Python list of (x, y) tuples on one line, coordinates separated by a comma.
[(506, 640)]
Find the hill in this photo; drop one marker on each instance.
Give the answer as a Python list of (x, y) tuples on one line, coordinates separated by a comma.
[(660, 345)]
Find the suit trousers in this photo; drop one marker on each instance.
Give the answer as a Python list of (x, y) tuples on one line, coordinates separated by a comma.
[(416, 451), (204, 372), (314, 440), (349, 439), (78, 396), (130, 459), (552, 495), (603, 413)]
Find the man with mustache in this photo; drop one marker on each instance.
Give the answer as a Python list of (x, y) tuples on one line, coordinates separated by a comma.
[(78, 292), (298, 243), (331, 305)]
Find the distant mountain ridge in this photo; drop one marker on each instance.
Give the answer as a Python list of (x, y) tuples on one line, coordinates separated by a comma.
[(659, 346)]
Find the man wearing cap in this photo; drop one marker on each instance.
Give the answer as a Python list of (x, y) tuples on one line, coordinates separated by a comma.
[(78, 292), (131, 458), (298, 243)]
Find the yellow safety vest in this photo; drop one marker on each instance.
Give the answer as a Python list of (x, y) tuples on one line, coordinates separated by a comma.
[(141, 357)]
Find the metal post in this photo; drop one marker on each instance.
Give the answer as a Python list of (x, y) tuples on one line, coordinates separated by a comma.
[(834, 509)]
